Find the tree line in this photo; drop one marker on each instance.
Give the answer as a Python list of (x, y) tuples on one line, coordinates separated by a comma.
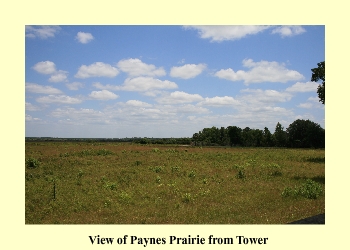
[(299, 134)]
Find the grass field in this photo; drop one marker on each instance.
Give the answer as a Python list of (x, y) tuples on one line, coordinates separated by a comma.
[(122, 183)]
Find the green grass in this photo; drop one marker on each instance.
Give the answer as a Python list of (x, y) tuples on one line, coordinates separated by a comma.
[(116, 183)]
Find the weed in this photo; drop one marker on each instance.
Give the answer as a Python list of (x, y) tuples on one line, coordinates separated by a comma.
[(138, 163), (124, 197), (274, 169), (192, 174), (32, 163), (310, 190), (175, 169), (187, 197), (155, 150)]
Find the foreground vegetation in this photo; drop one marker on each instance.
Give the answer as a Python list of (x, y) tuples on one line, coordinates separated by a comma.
[(126, 183)]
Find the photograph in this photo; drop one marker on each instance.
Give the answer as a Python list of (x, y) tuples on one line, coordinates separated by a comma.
[(174, 124)]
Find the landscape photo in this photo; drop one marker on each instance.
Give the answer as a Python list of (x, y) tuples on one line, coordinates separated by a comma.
[(170, 124)]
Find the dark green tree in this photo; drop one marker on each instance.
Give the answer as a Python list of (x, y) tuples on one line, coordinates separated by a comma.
[(235, 135), (306, 134), (267, 138), (319, 74), (280, 136)]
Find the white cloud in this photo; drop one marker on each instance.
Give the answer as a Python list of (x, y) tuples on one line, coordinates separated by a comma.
[(49, 68), (58, 99), (39, 89), (97, 69), (219, 33), (259, 96), (46, 67), (135, 67), (103, 95), (179, 97), (74, 85), (219, 101), (313, 103), (30, 118), (303, 87), (288, 30), (42, 32), (143, 84), (58, 76), (84, 38), (262, 71), (136, 103), (187, 71), (31, 107)]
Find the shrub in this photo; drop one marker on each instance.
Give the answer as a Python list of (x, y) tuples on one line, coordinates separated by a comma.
[(310, 190), (32, 163)]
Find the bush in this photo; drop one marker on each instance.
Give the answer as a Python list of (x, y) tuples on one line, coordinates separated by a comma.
[(32, 163), (310, 190)]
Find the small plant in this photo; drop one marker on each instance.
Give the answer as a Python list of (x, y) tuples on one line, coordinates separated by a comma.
[(175, 169), (186, 198), (158, 169), (158, 179), (310, 190), (138, 163), (124, 197), (241, 172), (155, 150), (32, 163), (192, 174), (274, 169)]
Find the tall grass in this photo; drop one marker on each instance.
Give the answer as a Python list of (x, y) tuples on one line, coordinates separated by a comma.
[(107, 183)]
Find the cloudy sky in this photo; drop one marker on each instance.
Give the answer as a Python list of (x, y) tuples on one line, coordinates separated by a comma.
[(168, 81)]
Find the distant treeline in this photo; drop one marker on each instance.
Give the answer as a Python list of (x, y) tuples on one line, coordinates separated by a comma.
[(139, 140), (299, 134)]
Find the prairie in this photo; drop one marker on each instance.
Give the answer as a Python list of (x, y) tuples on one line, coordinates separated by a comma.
[(126, 183)]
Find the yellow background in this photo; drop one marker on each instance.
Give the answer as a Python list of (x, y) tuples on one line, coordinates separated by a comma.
[(16, 14)]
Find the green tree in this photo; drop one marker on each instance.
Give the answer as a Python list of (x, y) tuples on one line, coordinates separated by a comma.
[(280, 136), (319, 74), (235, 135), (267, 138), (306, 134)]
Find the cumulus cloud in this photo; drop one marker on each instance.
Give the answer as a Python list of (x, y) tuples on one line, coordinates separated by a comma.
[(136, 103), (262, 71), (219, 101), (31, 107), (143, 84), (287, 30), (313, 102), (58, 76), (187, 71), (42, 32), (97, 69), (49, 68), (260, 97), (74, 85), (303, 87), (135, 67), (179, 97), (58, 99), (219, 33), (46, 67), (84, 38), (103, 95), (39, 89)]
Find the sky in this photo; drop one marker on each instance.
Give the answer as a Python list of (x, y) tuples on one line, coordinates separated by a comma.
[(163, 81)]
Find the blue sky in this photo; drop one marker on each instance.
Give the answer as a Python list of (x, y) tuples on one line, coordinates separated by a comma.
[(168, 81)]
